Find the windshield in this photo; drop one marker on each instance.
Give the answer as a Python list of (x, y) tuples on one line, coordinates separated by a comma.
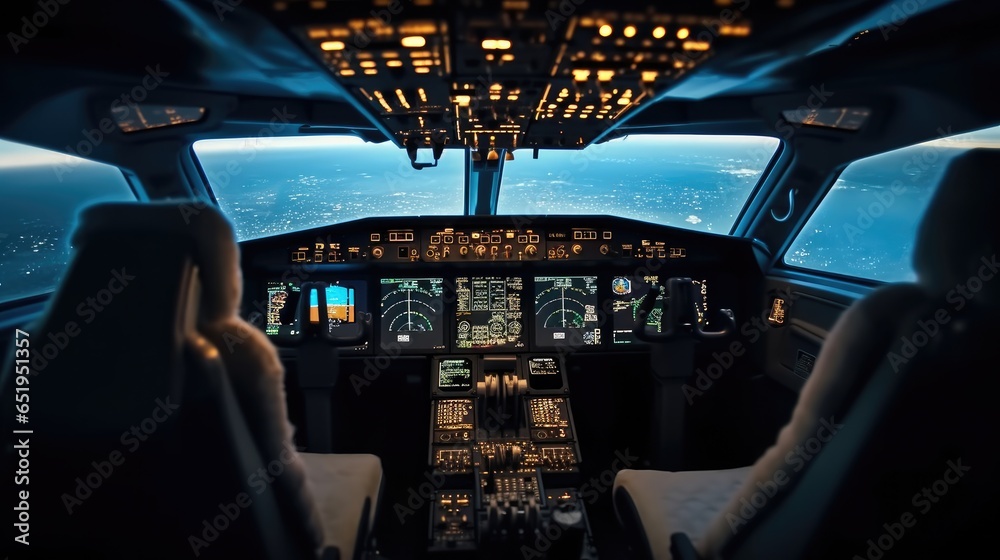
[(690, 181), (42, 193), (269, 186)]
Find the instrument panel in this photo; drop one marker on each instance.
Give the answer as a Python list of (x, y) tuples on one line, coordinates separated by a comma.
[(478, 244), (579, 288)]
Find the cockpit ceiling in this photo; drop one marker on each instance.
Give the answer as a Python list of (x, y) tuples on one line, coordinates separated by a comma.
[(513, 73)]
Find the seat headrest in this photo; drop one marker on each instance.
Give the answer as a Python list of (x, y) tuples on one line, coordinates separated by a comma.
[(199, 228), (957, 239)]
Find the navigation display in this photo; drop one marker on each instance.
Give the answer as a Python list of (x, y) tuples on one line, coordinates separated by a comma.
[(566, 311), (283, 300), (455, 374), (628, 294), (412, 312), (488, 312)]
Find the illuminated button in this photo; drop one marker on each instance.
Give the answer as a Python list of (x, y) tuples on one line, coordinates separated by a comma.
[(435, 239), (607, 235), (463, 239), (449, 239), (376, 237), (496, 239), (522, 239), (533, 239)]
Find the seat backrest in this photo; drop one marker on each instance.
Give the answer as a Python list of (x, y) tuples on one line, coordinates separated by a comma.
[(159, 427), (914, 472), (873, 363)]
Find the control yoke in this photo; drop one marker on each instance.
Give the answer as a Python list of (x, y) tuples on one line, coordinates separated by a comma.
[(319, 329), (680, 317), (317, 362)]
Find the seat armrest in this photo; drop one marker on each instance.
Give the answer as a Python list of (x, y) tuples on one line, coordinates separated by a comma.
[(681, 547)]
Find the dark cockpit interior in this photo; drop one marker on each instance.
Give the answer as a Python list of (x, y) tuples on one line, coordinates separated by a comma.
[(553, 279)]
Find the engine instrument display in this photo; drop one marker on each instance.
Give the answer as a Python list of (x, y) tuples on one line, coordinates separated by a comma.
[(412, 312), (628, 293), (543, 373), (283, 300), (566, 311), (488, 312), (455, 374)]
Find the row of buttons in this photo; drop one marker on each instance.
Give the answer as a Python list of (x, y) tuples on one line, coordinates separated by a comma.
[(547, 412), (454, 413)]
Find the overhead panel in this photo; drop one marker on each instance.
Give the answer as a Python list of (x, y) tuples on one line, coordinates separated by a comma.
[(509, 74)]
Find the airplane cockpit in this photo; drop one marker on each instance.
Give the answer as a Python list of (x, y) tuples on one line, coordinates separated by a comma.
[(538, 279)]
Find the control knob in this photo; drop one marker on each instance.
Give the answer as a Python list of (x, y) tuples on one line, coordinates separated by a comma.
[(377, 252), (463, 250), (480, 251), (530, 250), (577, 248)]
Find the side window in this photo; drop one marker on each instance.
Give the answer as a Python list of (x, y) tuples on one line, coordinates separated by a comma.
[(42, 191), (866, 225)]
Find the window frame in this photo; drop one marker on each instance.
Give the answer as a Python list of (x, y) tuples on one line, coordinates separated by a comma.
[(779, 159), (134, 184), (201, 189), (838, 280)]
